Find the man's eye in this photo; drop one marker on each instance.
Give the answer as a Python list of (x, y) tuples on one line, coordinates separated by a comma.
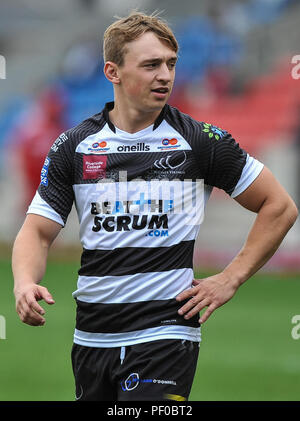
[(151, 65)]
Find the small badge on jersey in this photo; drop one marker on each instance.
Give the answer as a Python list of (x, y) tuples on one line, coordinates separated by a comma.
[(213, 131), (168, 144), (44, 172), (94, 167)]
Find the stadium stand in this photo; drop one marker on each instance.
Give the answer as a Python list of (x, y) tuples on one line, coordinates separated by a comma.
[(266, 112)]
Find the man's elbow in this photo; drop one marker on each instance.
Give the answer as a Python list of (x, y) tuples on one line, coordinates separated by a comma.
[(290, 212), (294, 213), (282, 209)]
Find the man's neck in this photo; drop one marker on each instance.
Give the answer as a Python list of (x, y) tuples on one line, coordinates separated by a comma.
[(131, 120)]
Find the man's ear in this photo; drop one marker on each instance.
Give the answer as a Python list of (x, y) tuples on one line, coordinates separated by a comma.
[(111, 72)]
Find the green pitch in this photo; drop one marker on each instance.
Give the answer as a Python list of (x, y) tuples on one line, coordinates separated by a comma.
[(247, 351)]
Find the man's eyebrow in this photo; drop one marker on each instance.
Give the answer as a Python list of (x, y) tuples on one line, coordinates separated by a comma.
[(158, 59)]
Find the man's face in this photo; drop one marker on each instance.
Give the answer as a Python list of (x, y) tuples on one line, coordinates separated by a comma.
[(147, 74)]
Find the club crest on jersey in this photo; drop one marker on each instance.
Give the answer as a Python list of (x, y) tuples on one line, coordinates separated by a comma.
[(213, 131), (170, 162)]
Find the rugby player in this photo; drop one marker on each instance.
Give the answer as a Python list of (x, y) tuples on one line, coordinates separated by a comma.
[(127, 168)]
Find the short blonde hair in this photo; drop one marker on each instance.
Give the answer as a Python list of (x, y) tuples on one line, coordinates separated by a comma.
[(128, 29)]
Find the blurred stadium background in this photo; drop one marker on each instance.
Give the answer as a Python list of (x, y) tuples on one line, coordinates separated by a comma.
[(235, 70)]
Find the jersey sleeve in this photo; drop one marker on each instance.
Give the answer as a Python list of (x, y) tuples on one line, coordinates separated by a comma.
[(54, 197), (230, 167), (250, 172)]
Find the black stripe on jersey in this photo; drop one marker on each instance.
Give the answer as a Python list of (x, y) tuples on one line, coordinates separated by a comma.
[(132, 260), (143, 166), (108, 107), (126, 317)]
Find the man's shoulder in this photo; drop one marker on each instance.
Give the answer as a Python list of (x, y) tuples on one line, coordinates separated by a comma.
[(176, 116), (86, 127), (71, 137), (192, 127)]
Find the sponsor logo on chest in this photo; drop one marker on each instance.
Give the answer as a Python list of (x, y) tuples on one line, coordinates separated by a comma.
[(94, 167)]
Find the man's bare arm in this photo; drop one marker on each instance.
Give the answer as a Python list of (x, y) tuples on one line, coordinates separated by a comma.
[(29, 258), (276, 214)]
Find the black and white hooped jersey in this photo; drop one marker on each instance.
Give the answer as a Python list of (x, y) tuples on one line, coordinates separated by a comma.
[(140, 200)]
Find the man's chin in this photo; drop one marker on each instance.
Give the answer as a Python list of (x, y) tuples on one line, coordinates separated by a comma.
[(156, 105)]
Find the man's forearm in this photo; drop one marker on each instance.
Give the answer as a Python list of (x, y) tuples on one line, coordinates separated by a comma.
[(269, 229), (29, 257)]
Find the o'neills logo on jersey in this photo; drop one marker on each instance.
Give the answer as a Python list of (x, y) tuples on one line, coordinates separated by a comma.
[(94, 167), (139, 147)]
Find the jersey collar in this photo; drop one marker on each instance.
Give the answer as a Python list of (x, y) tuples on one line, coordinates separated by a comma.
[(110, 105)]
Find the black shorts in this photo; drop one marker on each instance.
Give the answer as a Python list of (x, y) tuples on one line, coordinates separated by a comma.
[(153, 371)]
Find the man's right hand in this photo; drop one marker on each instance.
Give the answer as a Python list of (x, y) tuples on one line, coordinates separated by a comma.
[(29, 266), (27, 307)]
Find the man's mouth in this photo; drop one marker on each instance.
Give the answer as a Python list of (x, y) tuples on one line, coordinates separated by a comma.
[(162, 90), (160, 93)]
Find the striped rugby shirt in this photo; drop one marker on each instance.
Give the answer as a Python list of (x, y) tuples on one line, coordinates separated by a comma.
[(140, 200)]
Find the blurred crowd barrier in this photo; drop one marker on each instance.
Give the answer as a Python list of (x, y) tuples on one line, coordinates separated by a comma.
[(222, 77)]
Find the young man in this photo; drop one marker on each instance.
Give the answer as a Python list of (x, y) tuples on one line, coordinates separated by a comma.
[(127, 168)]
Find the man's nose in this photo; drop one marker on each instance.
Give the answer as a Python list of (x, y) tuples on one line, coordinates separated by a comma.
[(164, 73)]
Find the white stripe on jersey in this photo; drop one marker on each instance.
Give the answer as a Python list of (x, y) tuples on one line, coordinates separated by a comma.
[(164, 138), (133, 288), (181, 201), (108, 340)]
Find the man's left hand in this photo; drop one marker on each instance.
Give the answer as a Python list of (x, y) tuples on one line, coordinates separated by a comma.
[(211, 292)]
